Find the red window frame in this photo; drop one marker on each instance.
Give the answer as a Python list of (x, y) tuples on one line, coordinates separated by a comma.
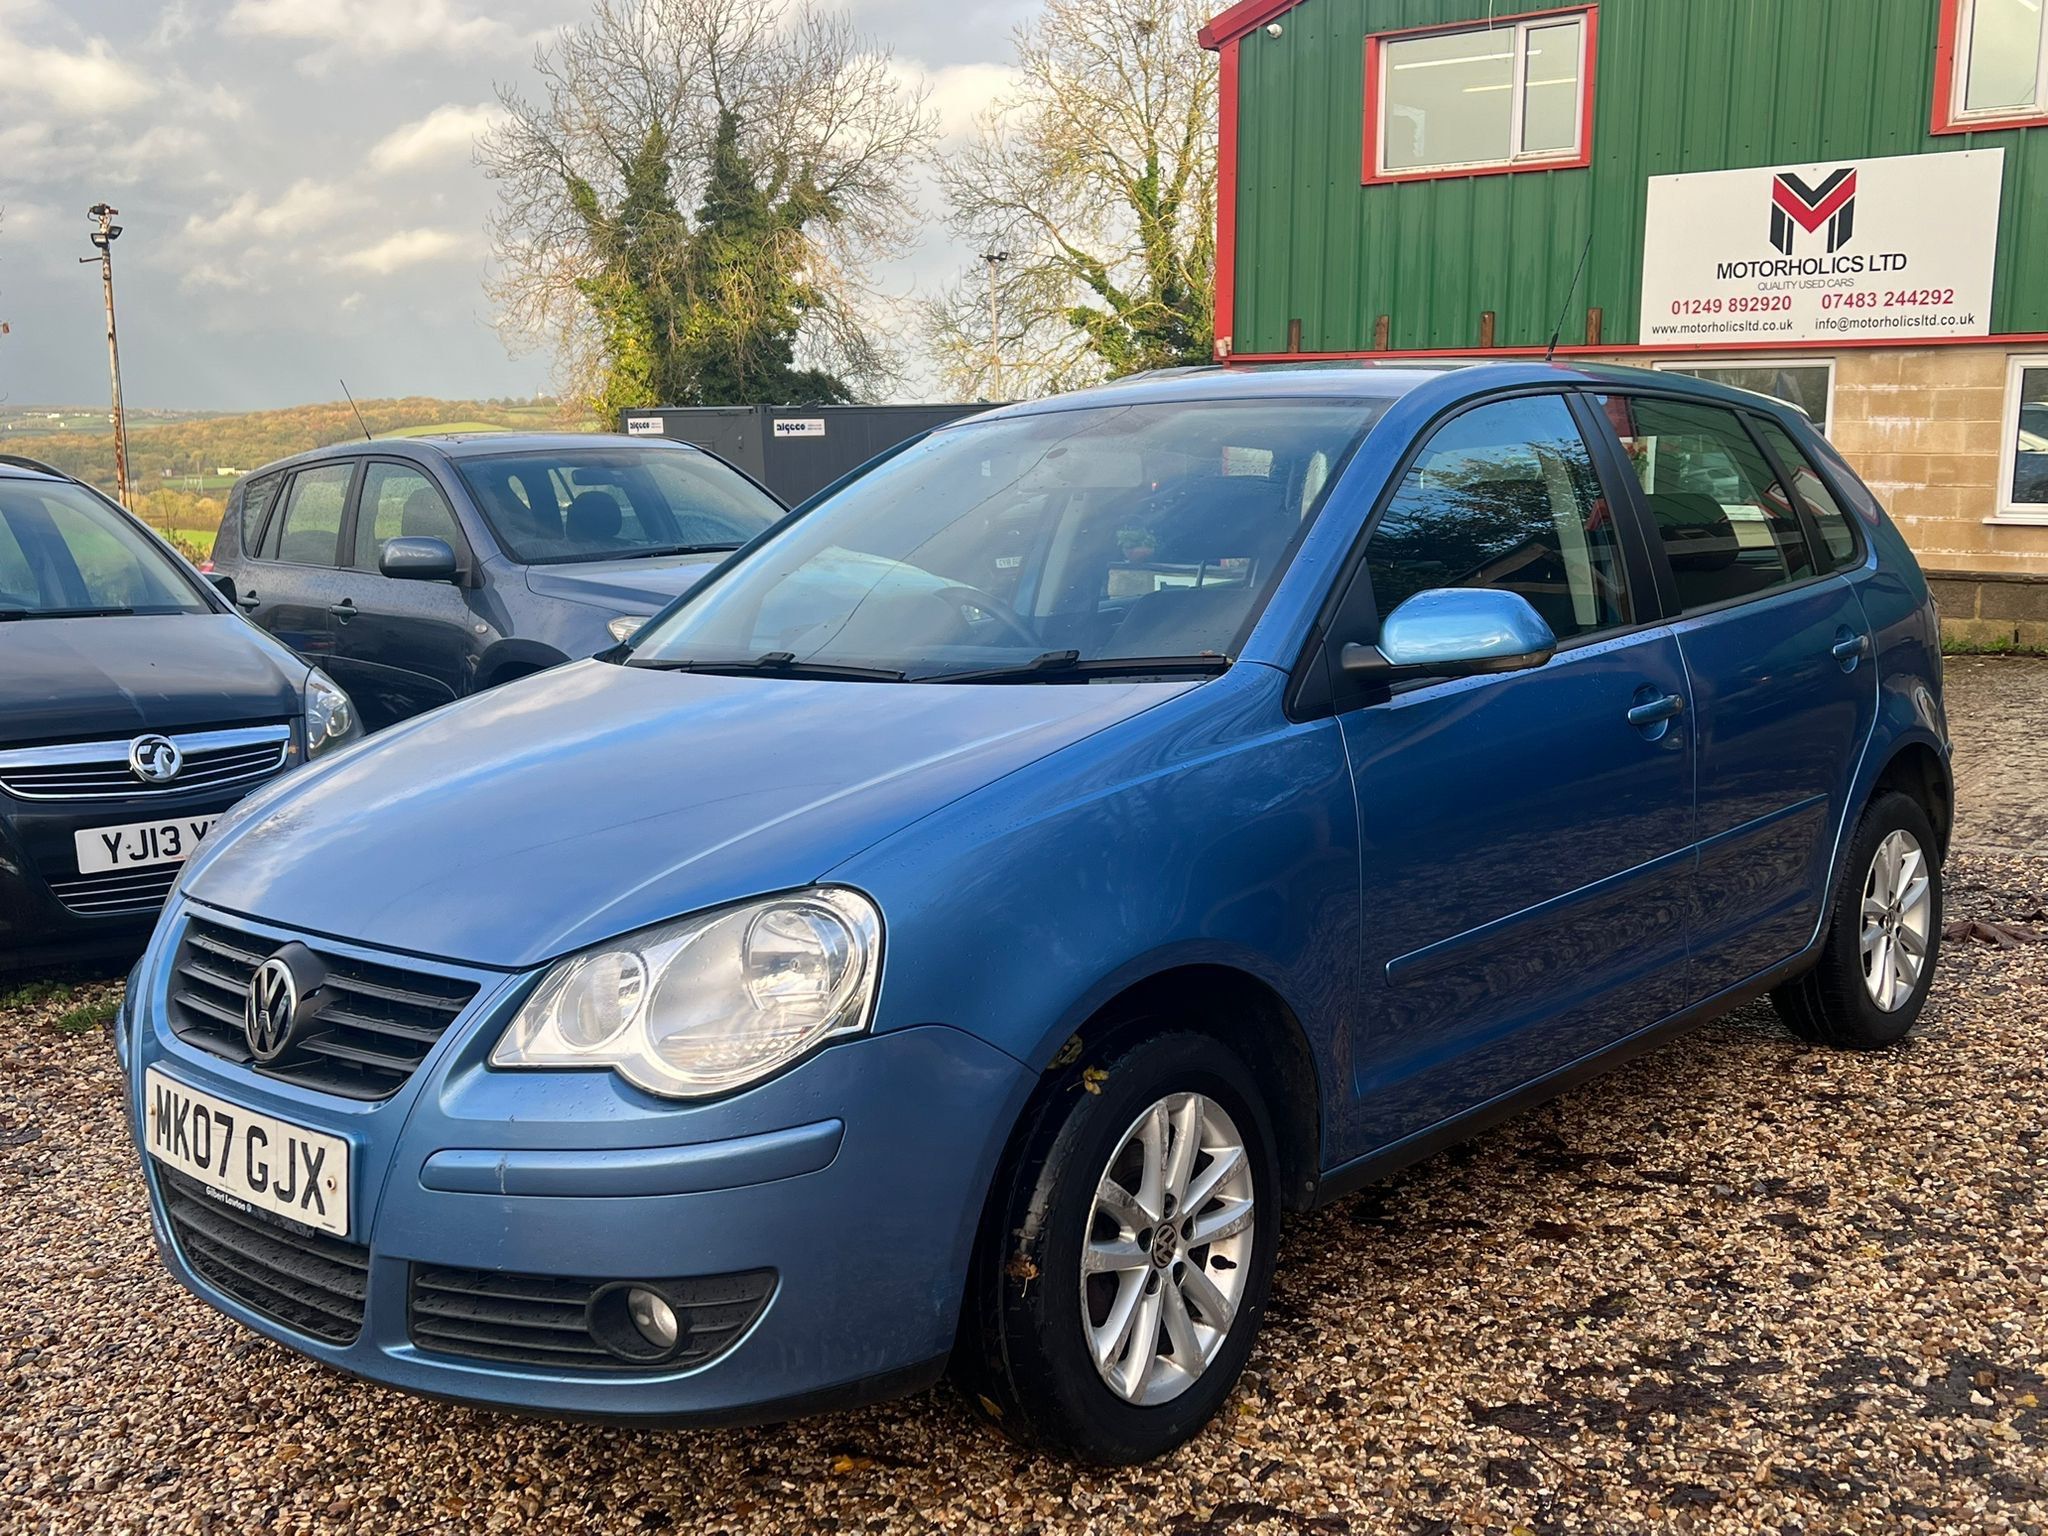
[(1948, 53), (1375, 44)]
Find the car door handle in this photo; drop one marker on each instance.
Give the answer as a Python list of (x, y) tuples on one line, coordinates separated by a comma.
[(249, 600), (1851, 649), (1656, 711), (343, 610)]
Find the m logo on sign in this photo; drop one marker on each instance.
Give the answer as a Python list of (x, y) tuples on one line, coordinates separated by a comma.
[(1832, 203)]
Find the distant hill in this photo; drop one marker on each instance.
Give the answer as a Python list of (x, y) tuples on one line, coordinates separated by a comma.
[(181, 465)]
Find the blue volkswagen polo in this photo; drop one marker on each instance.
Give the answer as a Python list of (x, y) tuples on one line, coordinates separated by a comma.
[(966, 925)]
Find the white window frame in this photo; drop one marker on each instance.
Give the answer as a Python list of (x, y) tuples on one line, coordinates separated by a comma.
[(1959, 78), (2010, 511), (1517, 92), (1675, 364)]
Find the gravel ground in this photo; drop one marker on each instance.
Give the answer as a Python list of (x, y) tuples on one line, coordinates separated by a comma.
[(1740, 1285)]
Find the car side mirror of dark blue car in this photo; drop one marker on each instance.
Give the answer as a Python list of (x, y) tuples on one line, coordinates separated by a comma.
[(1454, 632), (417, 559)]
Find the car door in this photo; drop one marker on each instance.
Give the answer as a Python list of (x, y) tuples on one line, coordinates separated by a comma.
[(294, 585), (1785, 696), (401, 647), (1526, 837)]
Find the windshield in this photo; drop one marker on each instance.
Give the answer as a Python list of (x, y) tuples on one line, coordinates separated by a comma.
[(1035, 544), (64, 553), (608, 502)]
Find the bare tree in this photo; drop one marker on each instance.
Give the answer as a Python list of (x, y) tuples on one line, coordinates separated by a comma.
[(1097, 175), (816, 116)]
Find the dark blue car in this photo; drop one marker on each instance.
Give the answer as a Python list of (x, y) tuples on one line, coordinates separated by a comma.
[(966, 925), (421, 570)]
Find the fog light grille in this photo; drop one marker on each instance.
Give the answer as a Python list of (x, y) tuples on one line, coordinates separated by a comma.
[(543, 1320)]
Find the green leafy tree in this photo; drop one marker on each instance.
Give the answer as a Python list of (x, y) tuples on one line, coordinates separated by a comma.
[(793, 138)]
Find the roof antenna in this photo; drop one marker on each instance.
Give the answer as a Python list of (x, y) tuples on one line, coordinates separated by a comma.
[(1550, 352), (369, 439)]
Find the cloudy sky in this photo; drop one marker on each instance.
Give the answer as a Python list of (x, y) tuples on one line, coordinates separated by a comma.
[(295, 183)]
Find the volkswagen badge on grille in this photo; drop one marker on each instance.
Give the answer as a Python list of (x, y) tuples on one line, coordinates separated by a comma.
[(154, 759), (281, 1001)]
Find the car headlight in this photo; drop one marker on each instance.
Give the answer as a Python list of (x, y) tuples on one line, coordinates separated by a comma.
[(330, 718), (711, 1003), (626, 626)]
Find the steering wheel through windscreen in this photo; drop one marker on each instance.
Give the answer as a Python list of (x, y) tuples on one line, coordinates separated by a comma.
[(972, 600)]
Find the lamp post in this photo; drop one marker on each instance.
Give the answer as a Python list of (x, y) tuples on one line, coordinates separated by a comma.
[(103, 238), (995, 329)]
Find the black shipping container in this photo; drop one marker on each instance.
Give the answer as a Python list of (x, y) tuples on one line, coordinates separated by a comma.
[(793, 450)]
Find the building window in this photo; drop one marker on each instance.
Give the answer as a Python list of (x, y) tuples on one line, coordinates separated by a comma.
[(2023, 472), (1992, 65), (1460, 101), (1807, 384)]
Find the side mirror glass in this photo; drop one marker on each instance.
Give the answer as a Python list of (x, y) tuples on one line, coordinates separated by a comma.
[(1455, 632), (417, 560)]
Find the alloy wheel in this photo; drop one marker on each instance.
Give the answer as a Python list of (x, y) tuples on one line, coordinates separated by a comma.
[(1898, 910), (1168, 1249)]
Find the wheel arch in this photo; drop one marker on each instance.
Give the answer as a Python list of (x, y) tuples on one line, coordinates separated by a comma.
[(1916, 769), (509, 659)]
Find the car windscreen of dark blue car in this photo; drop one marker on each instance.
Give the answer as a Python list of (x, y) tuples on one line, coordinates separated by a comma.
[(64, 555), (1041, 546), (610, 503)]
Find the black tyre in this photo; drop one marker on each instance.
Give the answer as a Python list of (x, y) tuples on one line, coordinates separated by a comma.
[(1883, 936), (1126, 1263)]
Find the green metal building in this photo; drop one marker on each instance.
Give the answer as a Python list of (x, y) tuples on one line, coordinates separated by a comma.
[(1404, 176)]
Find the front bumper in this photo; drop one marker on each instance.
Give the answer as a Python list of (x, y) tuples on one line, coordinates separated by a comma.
[(857, 1177)]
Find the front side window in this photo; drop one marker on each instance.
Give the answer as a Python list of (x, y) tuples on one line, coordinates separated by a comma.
[(1504, 96), (1728, 527), (399, 501), (1034, 545), (1505, 496), (1997, 53), (2023, 476), (308, 531), (1837, 533), (1807, 385), (64, 553), (612, 503)]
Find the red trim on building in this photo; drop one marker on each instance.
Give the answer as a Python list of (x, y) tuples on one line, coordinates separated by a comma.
[(1948, 47), (1369, 172), (1246, 16), (1225, 316), (1769, 348)]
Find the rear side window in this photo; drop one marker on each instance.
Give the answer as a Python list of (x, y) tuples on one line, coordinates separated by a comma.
[(1505, 496), (1837, 536), (258, 496), (1727, 525), (399, 502), (309, 531)]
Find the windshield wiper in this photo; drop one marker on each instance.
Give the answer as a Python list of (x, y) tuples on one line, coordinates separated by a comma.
[(777, 664), (68, 613), (1066, 666)]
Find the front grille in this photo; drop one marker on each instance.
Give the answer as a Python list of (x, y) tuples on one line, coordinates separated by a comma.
[(372, 1029), (306, 1280), (118, 892), (98, 770), (540, 1320)]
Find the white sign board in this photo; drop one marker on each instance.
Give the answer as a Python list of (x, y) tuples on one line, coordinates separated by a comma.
[(1842, 250), (643, 426), (799, 426)]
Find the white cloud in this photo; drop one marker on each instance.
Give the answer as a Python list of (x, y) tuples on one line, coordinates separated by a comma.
[(305, 205), (444, 134), (367, 26), (960, 92), (89, 82), (405, 248)]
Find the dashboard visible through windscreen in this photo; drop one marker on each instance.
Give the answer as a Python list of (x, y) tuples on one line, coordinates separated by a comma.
[(1091, 534)]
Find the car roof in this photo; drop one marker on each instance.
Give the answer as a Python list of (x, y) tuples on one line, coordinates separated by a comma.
[(428, 446), (1379, 380)]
